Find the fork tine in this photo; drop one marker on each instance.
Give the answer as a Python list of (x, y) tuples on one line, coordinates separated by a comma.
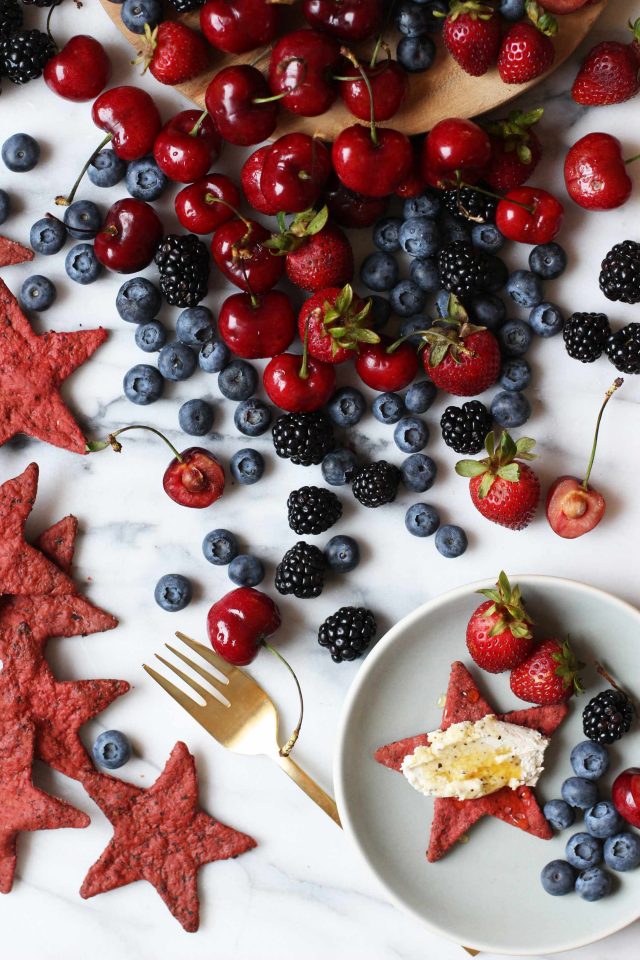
[(189, 704), (207, 654), (209, 677), (206, 696)]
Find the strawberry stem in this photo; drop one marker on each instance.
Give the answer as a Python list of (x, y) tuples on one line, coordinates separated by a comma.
[(94, 446), (288, 747), (66, 201), (610, 392)]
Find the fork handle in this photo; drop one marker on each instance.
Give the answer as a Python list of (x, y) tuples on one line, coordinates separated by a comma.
[(310, 787)]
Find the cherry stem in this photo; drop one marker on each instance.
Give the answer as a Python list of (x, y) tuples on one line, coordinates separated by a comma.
[(363, 73), (263, 53), (631, 159), (289, 745), (66, 201), (304, 366), (398, 343), (376, 51), (95, 445), (495, 196), (272, 99), (616, 686), (48, 25), (196, 127), (210, 198), (610, 392)]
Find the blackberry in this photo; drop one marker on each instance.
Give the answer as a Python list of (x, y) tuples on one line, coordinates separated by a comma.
[(313, 510), (11, 17), (465, 428), (303, 438), (623, 349), (183, 262), (184, 6), (585, 336), (376, 484), (607, 717), (347, 633), (23, 55), (301, 571), (463, 269), (468, 204), (620, 272)]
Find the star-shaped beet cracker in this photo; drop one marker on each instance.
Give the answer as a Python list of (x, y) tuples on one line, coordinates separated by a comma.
[(12, 252), (32, 369), (160, 835), (451, 817)]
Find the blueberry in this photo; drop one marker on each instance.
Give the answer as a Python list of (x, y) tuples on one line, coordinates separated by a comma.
[(37, 293), (220, 547), (48, 236), (422, 520), (590, 760), (524, 288), (379, 271), (559, 814), (138, 300), (379, 313), (339, 467), (487, 237), (579, 792), (515, 338), (442, 303), (416, 54), (150, 336), (238, 380), (5, 205), (196, 417), (488, 310), (135, 13), (622, 851), (515, 374), (451, 541), (558, 878), (424, 272), (342, 554), (83, 220), (593, 884), (82, 265), (143, 384), (546, 319), (411, 19), (252, 417), (176, 361), (385, 234), (420, 237), (247, 466), (548, 260), (603, 820), (418, 472), (246, 571), (510, 409), (346, 407), (420, 396), (145, 180), (214, 356), (512, 9), (411, 434), (20, 153), (453, 229), (413, 327), (388, 407), (583, 851), (407, 299), (428, 204), (111, 750), (173, 592), (106, 169)]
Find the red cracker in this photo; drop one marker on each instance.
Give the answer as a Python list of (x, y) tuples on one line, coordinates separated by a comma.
[(12, 252)]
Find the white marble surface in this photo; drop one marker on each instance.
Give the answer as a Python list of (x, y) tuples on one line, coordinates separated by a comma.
[(303, 892)]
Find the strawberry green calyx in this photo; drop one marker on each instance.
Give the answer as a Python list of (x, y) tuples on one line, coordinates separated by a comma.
[(545, 22), (303, 225), (345, 323), (514, 130), (501, 462), (476, 9), (507, 603), (447, 335), (635, 30), (149, 44), (568, 667)]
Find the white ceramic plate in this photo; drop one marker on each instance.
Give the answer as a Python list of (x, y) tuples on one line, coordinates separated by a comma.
[(485, 893)]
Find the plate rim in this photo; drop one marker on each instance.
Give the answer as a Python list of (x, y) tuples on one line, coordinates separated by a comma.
[(354, 690)]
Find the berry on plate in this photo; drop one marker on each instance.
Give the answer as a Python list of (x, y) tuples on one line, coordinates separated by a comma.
[(499, 633), (549, 675), (111, 749), (608, 716)]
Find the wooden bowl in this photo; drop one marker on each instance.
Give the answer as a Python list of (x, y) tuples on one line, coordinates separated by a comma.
[(443, 91)]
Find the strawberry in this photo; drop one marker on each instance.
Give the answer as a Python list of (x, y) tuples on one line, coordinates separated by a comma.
[(610, 73), (515, 150), (549, 675), (173, 53), (502, 488), (333, 324), (499, 632), (460, 357), (471, 34), (526, 50), (318, 254)]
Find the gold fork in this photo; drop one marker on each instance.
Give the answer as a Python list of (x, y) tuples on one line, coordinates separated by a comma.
[(248, 721)]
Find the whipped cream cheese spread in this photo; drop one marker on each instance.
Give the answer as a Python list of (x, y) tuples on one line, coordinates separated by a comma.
[(469, 760)]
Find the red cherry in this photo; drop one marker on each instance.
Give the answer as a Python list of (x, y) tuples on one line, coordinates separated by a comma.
[(412, 185), (289, 388), (455, 145), (187, 146), (535, 216), (351, 209), (239, 622), (257, 327), (129, 236), (373, 163), (302, 67), (80, 71), (196, 206), (389, 85), (237, 248), (351, 20), (194, 480), (250, 177), (232, 100), (131, 117), (237, 26), (384, 371), (595, 173), (625, 794), (294, 171)]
